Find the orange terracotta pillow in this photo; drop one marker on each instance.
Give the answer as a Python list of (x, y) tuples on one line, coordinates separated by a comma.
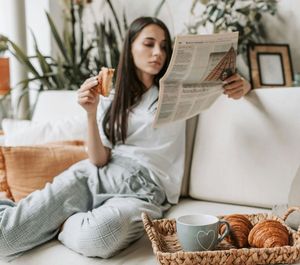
[(4, 189), (28, 168)]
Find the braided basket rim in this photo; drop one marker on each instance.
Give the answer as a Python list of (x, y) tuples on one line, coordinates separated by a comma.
[(292, 252)]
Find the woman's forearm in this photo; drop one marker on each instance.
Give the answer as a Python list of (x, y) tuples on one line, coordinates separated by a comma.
[(98, 154)]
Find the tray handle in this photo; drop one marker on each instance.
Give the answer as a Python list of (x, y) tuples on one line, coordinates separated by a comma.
[(148, 225), (146, 219), (289, 211)]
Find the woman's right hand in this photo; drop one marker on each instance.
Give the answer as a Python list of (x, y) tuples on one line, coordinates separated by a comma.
[(87, 96)]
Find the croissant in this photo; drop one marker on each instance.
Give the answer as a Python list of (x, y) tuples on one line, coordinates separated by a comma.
[(268, 234), (105, 81), (240, 228)]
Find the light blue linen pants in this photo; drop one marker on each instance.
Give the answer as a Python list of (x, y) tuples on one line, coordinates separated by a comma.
[(94, 211)]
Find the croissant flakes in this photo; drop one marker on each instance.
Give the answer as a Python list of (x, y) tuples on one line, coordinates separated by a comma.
[(240, 228), (268, 234)]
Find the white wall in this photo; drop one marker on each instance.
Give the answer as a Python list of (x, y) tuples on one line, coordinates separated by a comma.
[(35, 21), (173, 12), (285, 28)]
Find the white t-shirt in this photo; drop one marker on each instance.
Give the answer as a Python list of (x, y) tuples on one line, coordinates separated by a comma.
[(161, 150)]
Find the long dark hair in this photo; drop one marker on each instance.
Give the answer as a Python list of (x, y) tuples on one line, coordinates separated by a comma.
[(128, 88)]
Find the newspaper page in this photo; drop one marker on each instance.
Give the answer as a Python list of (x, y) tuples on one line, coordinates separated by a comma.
[(194, 78)]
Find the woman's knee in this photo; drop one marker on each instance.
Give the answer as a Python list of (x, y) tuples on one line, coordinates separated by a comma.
[(100, 236)]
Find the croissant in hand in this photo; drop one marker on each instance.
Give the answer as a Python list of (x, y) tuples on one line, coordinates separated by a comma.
[(105, 78), (240, 228), (268, 234)]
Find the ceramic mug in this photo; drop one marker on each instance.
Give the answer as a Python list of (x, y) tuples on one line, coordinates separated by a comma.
[(200, 232)]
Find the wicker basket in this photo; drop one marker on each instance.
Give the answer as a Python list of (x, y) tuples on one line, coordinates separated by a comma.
[(162, 234)]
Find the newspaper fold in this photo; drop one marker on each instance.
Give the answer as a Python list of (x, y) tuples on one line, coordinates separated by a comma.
[(194, 78)]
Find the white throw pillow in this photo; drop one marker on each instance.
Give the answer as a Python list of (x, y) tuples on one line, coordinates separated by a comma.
[(24, 132), (10, 125)]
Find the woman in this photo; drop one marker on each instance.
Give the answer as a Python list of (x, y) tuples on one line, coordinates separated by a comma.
[(95, 206)]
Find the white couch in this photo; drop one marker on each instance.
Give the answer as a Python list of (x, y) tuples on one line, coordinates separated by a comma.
[(242, 157)]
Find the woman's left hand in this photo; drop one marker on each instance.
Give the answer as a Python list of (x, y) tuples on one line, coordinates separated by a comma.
[(236, 86)]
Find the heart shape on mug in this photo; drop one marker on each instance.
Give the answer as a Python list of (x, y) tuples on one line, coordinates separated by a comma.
[(206, 237)]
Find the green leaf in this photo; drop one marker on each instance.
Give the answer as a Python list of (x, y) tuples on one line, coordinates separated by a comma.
[(245, 10), (22, 58), (85, 54), (67, 40), (45, 67), (73, 37), (158, 8), (125, 21), (116, 18), (211, 12), (27, 81), (24, 92), (60, 78), (58, 39), (100, 43), (220, 14)]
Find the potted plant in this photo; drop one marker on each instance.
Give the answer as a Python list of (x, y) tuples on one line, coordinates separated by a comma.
[(5, 102), (244, 16), (4, 70), (78, 57), (75, 61), (71, 65)]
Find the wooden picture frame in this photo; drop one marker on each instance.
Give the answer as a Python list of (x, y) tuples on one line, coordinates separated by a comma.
[(270, 65)]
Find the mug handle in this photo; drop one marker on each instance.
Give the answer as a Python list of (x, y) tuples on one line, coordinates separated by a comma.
[(226, 232)]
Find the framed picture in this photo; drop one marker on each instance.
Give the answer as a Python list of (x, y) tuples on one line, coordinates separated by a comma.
[(270, 65)]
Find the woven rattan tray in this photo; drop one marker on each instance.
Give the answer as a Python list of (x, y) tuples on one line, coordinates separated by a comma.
[(162, 234)]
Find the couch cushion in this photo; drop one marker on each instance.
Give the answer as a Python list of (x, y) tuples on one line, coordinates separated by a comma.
[(27, 168), (4, 188), (53, 252), (54, 105), (192, 206), (24, 132), (57, 117), (139, 253), (248, 151)]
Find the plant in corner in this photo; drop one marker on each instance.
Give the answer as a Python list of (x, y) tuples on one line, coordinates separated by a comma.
[(75, 60), (244, 16), (78, 57), (70, 66)]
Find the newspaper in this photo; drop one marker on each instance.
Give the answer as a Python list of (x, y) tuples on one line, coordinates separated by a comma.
[(194, 78)]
